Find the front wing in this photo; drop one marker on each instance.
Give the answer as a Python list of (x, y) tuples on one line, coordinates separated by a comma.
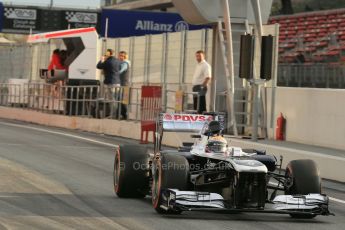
[(312, 204)]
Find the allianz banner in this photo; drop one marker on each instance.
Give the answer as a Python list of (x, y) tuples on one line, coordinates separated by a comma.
[(124, 23)]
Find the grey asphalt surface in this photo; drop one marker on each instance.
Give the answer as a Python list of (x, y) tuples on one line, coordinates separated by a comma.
[(54, 181)]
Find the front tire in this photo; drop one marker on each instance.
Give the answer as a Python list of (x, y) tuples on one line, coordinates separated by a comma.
[(131, 170), (169, 171), (303, 179)]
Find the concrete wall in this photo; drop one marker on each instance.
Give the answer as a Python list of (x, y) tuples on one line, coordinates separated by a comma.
[(127, 129), (106, 126), (314, 116)]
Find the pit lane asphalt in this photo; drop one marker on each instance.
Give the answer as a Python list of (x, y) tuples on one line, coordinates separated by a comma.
[(59, 179)]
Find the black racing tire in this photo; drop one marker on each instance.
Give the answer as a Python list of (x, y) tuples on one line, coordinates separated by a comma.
[(304, 179), (169, 171), (131, 171)]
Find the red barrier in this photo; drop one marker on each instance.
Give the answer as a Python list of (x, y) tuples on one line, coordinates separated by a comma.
[(151, 106)]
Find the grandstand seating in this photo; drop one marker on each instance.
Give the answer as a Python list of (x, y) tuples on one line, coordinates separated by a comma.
[(320, 35)]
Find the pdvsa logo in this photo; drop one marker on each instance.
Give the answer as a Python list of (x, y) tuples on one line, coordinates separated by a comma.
[(192, 118), (168, 117), (181, 26)]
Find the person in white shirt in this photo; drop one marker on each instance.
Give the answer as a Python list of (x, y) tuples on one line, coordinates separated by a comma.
[(201, 78)]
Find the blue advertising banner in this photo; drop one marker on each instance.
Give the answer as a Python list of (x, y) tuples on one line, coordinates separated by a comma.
[(1, 15), (123, 23)]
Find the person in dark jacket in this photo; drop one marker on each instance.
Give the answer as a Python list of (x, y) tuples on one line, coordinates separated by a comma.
[(111, 70)]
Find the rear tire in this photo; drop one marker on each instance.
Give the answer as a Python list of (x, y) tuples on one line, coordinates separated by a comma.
[(131, 170), (170, 171), (304, 179)]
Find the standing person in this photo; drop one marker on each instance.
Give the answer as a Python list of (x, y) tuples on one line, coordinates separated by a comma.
[(124, 79), (55, 61), (111, 69), (201, 78), (63, 57)]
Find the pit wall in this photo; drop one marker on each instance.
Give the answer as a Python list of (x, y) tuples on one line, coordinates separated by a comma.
[(127, 129), (313, 116)]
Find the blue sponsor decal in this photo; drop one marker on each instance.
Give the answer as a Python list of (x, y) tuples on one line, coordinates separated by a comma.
[(124, 23), (1, 15)]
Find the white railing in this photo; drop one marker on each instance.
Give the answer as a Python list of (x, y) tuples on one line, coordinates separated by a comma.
[(92, 101)]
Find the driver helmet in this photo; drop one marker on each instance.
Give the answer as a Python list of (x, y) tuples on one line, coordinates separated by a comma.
[(216, 144), (214, 128)]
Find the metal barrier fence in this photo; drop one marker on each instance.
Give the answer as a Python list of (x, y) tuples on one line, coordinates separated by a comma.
[(185, 102), (92, 101), (12, 94), (321, 75)]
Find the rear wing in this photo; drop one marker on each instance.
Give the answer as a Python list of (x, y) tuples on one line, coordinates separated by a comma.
[(175, 122)]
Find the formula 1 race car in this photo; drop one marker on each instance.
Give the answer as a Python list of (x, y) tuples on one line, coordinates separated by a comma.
[(207, 175)]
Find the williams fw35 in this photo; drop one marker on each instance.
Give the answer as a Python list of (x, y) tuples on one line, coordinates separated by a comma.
[(210, 175)]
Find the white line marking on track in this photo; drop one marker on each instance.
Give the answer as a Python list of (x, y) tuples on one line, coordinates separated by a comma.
[(61, 133), (3, 196), (337, 200)]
